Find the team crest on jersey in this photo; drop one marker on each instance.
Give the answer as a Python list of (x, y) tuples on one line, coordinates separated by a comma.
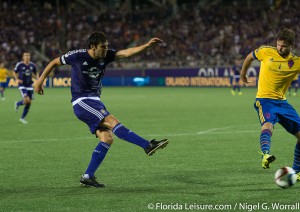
[(290, 63), (27, 72), (93, 72), (104, 112)]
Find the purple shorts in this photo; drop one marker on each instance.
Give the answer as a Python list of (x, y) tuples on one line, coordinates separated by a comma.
[(26, 91), (91, 111)]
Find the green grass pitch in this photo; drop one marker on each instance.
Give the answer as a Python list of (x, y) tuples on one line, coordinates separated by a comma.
[(212, 157)]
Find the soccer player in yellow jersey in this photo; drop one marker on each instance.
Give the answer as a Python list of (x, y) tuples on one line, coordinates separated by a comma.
[(278, 68), (3, 78)]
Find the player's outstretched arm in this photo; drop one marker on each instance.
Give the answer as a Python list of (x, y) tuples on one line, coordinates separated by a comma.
[(247, 62), (138, 49), (39, 84)]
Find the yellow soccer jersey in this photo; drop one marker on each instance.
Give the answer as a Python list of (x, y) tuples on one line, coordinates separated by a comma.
[(295, 78), (3, 74), (276, 73)]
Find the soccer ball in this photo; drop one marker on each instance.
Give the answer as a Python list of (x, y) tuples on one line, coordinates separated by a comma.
[(285, 177)]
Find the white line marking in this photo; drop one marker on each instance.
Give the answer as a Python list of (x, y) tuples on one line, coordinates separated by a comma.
[(205, 132), (213, 129), (45, 140)]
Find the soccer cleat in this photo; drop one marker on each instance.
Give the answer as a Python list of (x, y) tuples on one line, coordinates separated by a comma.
[(23, 121), (16, 106), (240, 93), (155, 145), (267, 160), (2, 98), (233, 92), (298, 176), (90, 182), (294, 94)]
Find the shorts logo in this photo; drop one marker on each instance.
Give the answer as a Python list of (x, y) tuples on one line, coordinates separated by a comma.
[(103, 112), (267, 115)]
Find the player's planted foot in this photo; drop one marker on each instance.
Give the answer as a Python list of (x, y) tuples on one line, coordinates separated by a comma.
[(155, 145), (91, 182), (232, 92), (23, 121), (267, 160), (16, 107)]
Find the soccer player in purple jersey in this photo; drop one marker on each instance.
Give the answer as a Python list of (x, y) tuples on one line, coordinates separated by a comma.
[(88, 68), (235, 77), (23, 73)]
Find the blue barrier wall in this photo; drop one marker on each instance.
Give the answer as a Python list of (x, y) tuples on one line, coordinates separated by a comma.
[(184, 77)]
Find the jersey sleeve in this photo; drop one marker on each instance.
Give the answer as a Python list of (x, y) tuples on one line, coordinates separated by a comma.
[(34, 68), (16, 69), (110, 56), (259, 53), (68, 58)]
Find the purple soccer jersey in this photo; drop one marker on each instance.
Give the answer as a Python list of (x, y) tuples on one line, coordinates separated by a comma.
[(86, 72), (236, 70), (25, 73)]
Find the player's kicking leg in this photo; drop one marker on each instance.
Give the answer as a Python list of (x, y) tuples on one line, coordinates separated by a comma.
[(125, 134), (88, 179), (155, 145), (104, 131)]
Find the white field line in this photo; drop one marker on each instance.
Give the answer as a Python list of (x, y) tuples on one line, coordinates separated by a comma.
[(221, 130), (212, 130), (45, 140), (207, 132)]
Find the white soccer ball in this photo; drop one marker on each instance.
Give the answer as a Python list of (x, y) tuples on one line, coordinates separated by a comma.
[(285, 177)]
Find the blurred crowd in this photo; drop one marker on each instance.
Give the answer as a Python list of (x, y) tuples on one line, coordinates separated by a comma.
[(197, 33)]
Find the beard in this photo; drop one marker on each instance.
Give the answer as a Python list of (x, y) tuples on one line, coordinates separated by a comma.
[(283, 54)]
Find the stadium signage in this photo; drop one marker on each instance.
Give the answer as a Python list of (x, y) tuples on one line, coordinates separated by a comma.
[(210, 72), (181, 77), (203, 81), (11, 82), (61, 82)]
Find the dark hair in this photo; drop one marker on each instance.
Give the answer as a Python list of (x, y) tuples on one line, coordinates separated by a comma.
[(287, 35), (95, 38)]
